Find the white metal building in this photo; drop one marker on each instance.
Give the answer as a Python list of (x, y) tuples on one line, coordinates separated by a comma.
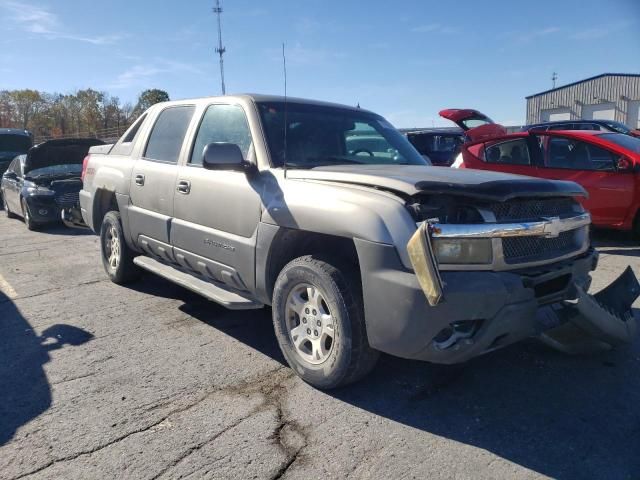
[(609, 96)]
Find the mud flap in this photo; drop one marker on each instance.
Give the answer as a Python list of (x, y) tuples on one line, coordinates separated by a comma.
[(592, 323)]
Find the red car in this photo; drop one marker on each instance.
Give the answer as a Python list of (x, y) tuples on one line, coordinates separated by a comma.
[(606, 164)]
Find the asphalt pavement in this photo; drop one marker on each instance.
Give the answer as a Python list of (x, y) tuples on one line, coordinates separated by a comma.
[(151, 381)]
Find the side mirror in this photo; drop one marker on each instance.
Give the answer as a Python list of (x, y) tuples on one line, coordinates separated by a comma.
[(223, 156), (625, 164)]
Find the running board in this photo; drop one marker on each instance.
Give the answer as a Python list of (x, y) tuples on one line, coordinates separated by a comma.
[(224, 297)]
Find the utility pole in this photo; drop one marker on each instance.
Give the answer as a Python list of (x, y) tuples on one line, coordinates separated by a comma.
[(554, 77), (220, 49)]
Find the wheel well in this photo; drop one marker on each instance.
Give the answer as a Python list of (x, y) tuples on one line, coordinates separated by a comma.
[(291, 244), (104, 202)]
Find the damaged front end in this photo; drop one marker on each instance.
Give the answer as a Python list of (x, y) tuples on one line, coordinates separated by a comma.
[(597, 322), (559, 312)]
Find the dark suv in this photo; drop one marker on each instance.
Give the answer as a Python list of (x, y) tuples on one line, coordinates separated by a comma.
[(13, 142), (440, 145), (602, 125)]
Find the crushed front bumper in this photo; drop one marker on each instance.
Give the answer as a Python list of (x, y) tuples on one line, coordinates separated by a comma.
[(72, 217), (479, 312), (595, 322)]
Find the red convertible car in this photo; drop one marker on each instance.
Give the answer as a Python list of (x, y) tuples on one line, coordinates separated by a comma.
[(606, 164)]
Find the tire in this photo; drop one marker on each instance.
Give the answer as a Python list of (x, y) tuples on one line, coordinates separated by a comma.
[(26, 216), (117, 257), (325, 357), (7, 212)]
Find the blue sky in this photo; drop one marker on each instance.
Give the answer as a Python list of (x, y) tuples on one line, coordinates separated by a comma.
[(405, 59)]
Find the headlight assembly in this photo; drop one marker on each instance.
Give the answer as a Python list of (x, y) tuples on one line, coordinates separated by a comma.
[(469, 251), (40, 191)]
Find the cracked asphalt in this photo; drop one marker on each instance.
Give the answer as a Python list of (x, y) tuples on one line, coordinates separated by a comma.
[(151, 381)]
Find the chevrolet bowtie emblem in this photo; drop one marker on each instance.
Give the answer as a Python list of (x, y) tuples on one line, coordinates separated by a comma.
[(551, 227)]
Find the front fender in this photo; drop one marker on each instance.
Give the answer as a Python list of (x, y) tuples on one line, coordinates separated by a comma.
[(342, 210)]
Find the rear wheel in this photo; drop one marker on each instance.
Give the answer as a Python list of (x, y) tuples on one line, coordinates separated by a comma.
[(26, 215), (318, 317), (117, 257)]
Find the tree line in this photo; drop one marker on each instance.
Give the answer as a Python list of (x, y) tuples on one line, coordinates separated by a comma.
[(81, 113)]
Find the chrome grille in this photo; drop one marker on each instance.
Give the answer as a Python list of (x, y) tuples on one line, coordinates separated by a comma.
[(528, 249), (68, 199), (523, 210)]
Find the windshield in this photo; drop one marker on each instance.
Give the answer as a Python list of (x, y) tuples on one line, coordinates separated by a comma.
[(625, 141), (318, 135), (56, 170), (15, 143), (618, 127)]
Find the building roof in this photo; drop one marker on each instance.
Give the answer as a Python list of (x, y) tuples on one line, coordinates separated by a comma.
[(585, 80)]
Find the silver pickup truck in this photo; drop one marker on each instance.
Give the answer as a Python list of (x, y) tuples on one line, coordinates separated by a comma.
[(329, 215)]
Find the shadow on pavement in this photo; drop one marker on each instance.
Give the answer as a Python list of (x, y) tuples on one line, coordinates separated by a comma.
[(24, 388), (564, 417), (251, 327), (612, 242)]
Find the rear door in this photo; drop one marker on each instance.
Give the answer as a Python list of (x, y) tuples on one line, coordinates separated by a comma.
[(217, 211), (154, 178), (510, 155), (610, 192)]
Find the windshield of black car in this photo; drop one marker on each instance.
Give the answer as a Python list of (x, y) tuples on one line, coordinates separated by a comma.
[(56, 170), (618, 127), (625, 141), (320, 135), (15, 143)]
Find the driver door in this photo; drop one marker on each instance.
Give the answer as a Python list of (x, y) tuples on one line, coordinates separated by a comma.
[(216, 212), (12, 186)]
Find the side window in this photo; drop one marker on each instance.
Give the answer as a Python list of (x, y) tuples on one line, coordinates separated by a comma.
[(133, 130), (577, 155), (512, 152), (168, 134), (562, 126), (12, 166), (221, 123)]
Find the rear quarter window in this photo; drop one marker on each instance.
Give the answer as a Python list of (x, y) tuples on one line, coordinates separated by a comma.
[(512, 152)]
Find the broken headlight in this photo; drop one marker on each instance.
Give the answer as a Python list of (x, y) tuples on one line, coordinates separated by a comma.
[(469, 251)]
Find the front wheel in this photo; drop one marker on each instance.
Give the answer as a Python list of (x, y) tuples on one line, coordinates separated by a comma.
[(26, 215), (117, 258), (318, 318)]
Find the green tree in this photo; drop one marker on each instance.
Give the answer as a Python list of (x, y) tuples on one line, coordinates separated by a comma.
[(27, 104), (150, 97)]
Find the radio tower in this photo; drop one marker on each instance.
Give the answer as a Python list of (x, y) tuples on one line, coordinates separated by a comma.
[(220, 49)]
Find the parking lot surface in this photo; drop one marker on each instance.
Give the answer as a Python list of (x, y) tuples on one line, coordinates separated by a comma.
[(152, 381)]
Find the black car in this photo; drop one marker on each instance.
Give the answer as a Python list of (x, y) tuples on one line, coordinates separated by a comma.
[(440, 145), (602, 125), (13, 142), (41, 184)]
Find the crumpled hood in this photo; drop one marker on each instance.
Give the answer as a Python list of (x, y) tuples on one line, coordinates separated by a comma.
[(415, 179)]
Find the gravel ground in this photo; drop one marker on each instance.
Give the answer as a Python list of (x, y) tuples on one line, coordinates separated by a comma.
[(152, 381)]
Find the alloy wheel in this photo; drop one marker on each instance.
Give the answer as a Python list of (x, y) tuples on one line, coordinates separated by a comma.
[(310, 323), (112, 247)]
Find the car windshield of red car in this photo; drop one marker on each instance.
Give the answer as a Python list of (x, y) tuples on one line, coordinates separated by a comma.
[(625, 141)]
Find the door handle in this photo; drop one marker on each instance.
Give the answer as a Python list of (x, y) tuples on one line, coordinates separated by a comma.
[(140, 179), (184, 186)]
